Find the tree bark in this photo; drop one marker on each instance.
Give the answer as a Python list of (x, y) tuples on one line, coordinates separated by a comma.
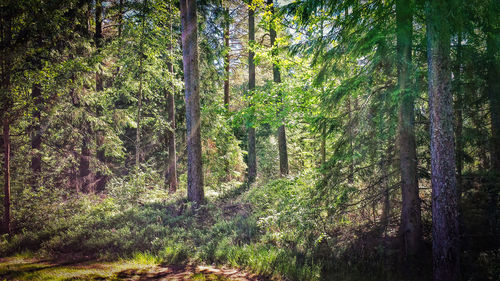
[(138, 119), (458, 113), (85, 163), (36, 136), (493, 90), (283, 154), (226, 57), (171, 174), (6, 189), (192, 98), (100, 153), (252, 157), (139, 94), (445, 234), (411, 227)]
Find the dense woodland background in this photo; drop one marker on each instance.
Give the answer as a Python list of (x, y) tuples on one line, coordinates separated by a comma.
[(301, 140)]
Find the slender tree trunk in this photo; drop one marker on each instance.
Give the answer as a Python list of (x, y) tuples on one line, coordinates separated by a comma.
[(350, 176), (139, 94), (100, 153), (493, 90), (192, 97), (6, 189), (411, 227), (138, 120), (386, 195), (36, 136), (85, 163), (171, 175), (458, 114), (252, 157), (226, 57), (6, 104), (445, 234), (283, 154), (323, 145)]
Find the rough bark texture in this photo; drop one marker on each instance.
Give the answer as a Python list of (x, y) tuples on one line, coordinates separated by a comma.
[(445, 235), (458, 114), (411, 227), (36, 135), (350, 176), (171, 174), (138, 119), (100, 153), (192, 97), (226, 58), (493, 90), (85, 164), (252, 159), (283, 154), (6, 188), (139, 93)]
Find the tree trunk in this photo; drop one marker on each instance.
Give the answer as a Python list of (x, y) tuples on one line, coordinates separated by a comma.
[(36, 136), (227, 49), (252, 158), (493, 90), (385, 164), (139, 94), (138, 119), (192, 97), (171, 175), (85, 164), (100, 153), (6, 189), (283, 154), (411, 227), (458, 114), (445, 234), (323, 144), (350, 176)]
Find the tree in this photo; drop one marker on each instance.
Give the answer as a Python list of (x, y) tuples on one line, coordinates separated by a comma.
[(192, 98), (283, 154), (445, 236), (98, 39), (171, 174), (410, 229), (252, 157), (227, 51)]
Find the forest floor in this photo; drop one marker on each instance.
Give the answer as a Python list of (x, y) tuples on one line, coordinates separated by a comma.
[(25, 268)]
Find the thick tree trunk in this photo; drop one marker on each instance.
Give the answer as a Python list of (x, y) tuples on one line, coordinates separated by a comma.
[(226, 58), (411, 227), (283, 154), (6, 188), (252, 157), (445, 234), (36, 136), (171, 174), (192, 97)]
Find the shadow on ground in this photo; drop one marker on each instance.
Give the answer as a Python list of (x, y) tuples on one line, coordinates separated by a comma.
[(31, 269)]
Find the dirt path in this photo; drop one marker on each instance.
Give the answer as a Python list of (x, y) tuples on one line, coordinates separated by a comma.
[(33, 269)]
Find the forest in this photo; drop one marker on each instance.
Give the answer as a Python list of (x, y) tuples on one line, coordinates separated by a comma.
[(250, 140)]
